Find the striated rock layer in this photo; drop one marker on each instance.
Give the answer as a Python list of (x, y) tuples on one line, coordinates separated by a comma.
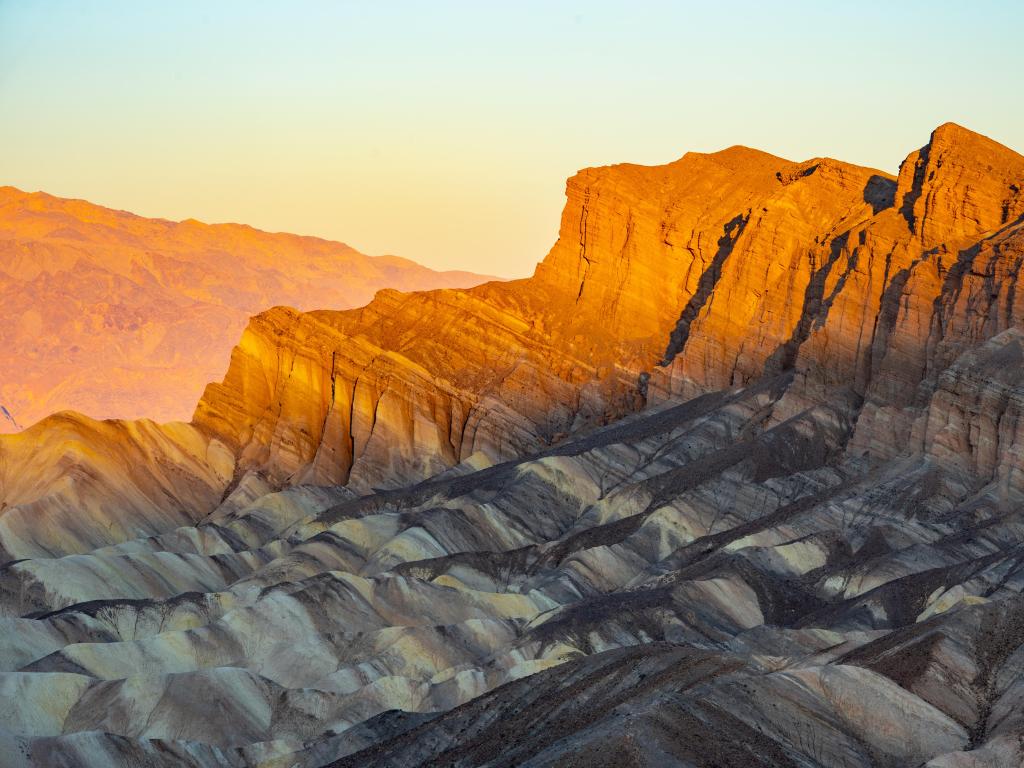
[(412, 383), (665, 282), (120, 316), (735, 479)]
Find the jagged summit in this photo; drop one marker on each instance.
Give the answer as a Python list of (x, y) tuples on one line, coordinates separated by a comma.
[(960, 185)]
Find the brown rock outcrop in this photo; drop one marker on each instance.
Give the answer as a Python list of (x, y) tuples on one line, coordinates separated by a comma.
[(959, 185), (665, 282), (883, 301), (415, 382)]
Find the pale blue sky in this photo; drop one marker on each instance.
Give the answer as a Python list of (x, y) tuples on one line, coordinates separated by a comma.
[(444, 131)]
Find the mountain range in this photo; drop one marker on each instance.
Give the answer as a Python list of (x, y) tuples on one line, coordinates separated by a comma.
[(119, 316), (736, 478)]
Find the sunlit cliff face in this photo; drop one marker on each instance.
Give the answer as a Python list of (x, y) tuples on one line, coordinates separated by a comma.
[(665, 282), (120, 316)]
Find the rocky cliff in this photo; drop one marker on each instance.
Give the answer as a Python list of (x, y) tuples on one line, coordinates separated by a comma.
[(120, 316), (664, 283), (412, 383)]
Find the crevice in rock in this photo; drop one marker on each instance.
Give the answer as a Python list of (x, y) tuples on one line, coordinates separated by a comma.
[(880, 193), (584, 213), (705, 287), (625, 262), (815, 308), (351, 432), (460, 448), (916, 188), (885, 321), (10, 417), (328, 411), (943, 306), (1011, 295)]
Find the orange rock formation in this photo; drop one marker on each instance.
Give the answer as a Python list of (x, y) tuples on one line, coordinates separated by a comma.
[(665, 282)]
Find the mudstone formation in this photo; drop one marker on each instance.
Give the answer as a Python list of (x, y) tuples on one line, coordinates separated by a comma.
[(735, 479)]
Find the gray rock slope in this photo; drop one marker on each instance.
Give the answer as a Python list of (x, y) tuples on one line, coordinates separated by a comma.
[(698, 584)]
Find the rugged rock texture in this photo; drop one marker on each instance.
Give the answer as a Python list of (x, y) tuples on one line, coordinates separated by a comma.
[(735, 479), (416, 382), (701, 587), (665, 282), (120, 316), (71, 484)]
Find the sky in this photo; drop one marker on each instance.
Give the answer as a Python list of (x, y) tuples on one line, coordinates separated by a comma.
[(444, 131)]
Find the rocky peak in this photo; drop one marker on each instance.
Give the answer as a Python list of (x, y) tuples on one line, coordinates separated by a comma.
[(710, 258), (960, 185)]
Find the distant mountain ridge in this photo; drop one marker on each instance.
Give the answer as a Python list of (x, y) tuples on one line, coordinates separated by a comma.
[(121, 316)]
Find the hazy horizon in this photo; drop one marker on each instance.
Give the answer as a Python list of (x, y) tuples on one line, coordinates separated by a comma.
[(449, 142)]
